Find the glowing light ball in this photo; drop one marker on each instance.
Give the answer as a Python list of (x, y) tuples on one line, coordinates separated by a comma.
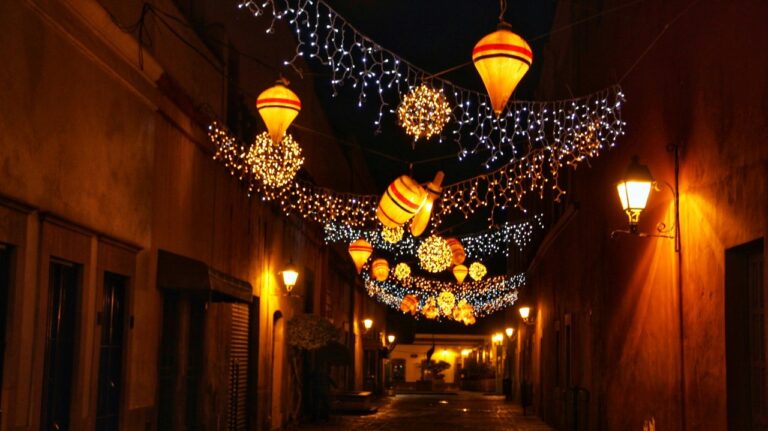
[(424, 112), (402, 271), (434, 254), (477, 271), (392, 235), (446, 300), (273, 164)]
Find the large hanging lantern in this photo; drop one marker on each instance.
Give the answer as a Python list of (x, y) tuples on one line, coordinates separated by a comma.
[(477, 271), (360, 251), (501, 59), (278, 106), (409, 304), (380, 269), (402, 200), (457, 251), (434, 254), (273, 163), (421, 220), (460, 272), (424, 112)]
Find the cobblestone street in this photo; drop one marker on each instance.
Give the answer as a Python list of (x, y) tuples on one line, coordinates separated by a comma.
[(465, 411)]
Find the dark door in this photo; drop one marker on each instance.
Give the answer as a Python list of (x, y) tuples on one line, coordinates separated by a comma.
[(60, 345), (5, 286), (111, 318), (398, 370)]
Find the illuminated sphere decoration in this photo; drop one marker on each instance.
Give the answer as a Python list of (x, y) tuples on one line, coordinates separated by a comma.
[(446, 300), (409, 304), (402, 271), (434, 254), (274, 165), (392, 235), (424, 112), (402, 200), (360, 250), (278, 107), (501, 58), (380, 269), (460, 272), (477, 271)]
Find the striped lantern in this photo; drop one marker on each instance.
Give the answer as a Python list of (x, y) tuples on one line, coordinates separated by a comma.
[(460, 272), (278, 106), (409, 304), (402, 200), (421, 220), (457, 251), (501, 58), (360, 251), (380, 269)]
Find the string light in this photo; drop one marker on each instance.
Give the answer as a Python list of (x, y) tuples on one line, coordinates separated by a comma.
[(392, 235), (424, 112), (273, 164), (353, 59), (477, 271), (434, 254)]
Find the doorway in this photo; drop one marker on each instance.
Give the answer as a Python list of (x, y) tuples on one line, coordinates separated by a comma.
[(745, 338), (111, 318), (60, 344), (278, 357), (5, 287)]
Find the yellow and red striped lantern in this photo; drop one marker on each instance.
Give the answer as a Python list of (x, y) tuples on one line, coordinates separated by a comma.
[(380, 269), (421, 220), (409, 304), (501, 58), (278, 106), (402, 200), (457, 251), (460, 272), (360, 251)]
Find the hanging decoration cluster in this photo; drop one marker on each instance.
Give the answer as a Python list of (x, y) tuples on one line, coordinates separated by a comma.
[(423, 112), (503, 132)]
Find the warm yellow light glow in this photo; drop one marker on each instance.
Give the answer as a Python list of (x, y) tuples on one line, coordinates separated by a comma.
[(274, 164), (421, 219), (390, 338), (380, 269), (446, 300), (477, 271), (460, 272), (633, 189), (424, 112), (401, 201), (290, 276), (409, 304), (434, 254), (367, 324), (497, 338), (465, 353), (509, 332), (501, 58), (278, 107), (402, 271), (392, 235), (525, 312), (360, 251)]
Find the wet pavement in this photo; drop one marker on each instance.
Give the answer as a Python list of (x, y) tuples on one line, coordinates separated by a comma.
[(463, 411)]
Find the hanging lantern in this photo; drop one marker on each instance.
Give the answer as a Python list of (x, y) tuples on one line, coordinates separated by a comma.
[(278, 106), (409, 304), (402, 271), (457, 314), (446, 300), (434, 254), (457, 251), (392, 235), (380, 269), (429, 310), (402, 200), (421, 220), (424, 112), (360, 251), (477, 271), (501, 58), (460, 272)]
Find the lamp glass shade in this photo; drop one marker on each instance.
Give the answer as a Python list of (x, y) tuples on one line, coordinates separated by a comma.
[(509, 332), (367, 324), (525, 312), (390, 338), (501, 58), (290, 276), (278, 107), (634, 188)]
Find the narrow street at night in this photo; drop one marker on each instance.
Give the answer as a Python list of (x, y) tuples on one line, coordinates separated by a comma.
[(457, 412)]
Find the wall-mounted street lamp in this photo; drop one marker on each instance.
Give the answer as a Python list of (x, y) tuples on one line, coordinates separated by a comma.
[(391, 338), (290, 277), (525, 314), (509, 331), (367, 324)]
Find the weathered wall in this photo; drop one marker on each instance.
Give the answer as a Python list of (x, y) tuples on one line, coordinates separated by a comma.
[(703, 87)]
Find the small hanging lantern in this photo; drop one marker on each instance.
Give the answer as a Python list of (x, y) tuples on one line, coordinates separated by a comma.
[(409, 304), (360, 251), (434, 254), (501, 58), (421, 220), (402, 200), (380, 269), (402, 271), (278, 106), (477, 271), (460, 272), (457, 251)]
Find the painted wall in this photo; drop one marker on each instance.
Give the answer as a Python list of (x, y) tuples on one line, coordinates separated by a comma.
[(638, 350)]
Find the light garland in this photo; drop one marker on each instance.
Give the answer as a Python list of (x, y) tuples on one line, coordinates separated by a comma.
[(434, 254), (485, 297), (273, 164), (423, 112), (477, 271), (392, 235), (375, 72)]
